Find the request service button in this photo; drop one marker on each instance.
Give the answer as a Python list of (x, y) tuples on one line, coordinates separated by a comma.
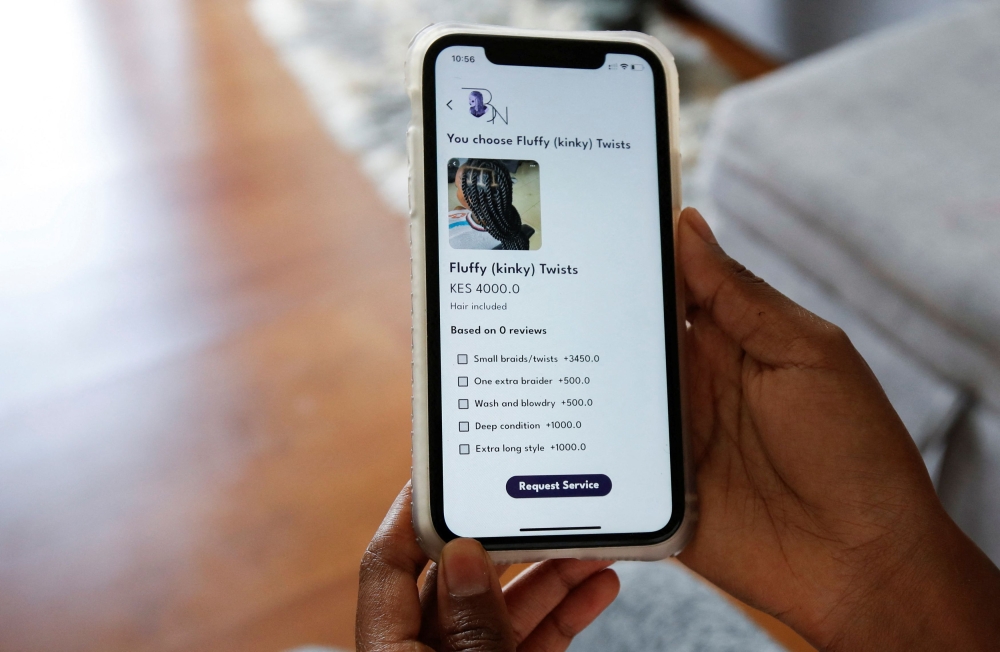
[(558, 486)]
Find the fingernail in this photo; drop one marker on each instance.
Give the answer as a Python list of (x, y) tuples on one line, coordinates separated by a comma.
[(700, 226), (465, 568)]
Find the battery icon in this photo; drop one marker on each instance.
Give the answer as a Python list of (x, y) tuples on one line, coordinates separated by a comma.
[(637, 66)]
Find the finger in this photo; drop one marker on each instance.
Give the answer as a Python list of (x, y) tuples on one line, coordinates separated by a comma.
[(430, 632), (579, 609), (388, 604), (766, 324), (471, 610), (540, 589)]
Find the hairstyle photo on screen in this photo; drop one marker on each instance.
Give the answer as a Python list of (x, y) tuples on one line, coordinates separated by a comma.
[(494, 204)]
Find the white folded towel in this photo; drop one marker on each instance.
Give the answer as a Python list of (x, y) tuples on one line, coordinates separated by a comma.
[(876, 168), (969, 485)]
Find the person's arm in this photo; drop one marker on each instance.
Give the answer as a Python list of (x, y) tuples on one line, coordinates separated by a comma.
[(815, 504)]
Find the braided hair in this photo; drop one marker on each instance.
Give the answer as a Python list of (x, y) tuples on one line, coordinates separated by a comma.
[(488, 190)]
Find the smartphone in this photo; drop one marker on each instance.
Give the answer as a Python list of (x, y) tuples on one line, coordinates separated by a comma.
[(548, 411)]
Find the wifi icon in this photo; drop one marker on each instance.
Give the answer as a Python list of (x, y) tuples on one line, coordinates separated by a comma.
[(624, 66)]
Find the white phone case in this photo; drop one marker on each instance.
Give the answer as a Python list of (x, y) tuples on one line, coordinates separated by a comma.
[(427, 535)]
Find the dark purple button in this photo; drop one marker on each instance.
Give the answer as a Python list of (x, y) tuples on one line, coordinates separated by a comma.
[(558, 486)]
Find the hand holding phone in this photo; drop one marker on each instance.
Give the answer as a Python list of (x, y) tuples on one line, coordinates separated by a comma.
[(815, 502), (460, 605), (816, 505)]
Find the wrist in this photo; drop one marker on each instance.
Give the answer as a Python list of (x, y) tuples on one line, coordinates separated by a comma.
[(932, 590)]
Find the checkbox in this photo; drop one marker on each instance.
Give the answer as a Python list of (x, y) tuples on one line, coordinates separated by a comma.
[(463, 404), (463, 426), (463, 449), (463, 358), (463, 381)]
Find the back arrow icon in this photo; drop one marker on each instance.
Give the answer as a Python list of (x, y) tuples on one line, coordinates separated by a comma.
[(449, 105)]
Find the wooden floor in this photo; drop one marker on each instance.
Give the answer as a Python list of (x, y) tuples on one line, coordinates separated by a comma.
[(204, 339)]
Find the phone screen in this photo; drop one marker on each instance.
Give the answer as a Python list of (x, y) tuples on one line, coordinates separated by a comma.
[(554, 369)]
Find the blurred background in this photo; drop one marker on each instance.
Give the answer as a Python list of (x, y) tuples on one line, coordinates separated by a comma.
[(204, 276)]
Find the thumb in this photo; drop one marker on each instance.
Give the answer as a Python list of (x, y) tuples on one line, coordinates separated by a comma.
[(766, 324), (471, 609)]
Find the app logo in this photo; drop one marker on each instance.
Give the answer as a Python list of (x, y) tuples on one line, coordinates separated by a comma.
[(477, 106), (481, 103)]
